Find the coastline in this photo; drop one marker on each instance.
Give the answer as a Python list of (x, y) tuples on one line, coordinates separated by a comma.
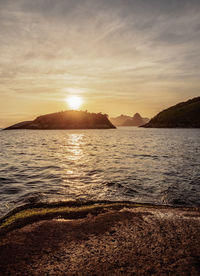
[(88, 238)]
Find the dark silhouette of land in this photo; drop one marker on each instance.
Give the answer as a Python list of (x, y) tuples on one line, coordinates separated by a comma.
[(124, 120), (183, 115), (67, 120)]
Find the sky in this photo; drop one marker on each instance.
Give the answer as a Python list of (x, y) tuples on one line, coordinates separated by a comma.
[(120, 56)]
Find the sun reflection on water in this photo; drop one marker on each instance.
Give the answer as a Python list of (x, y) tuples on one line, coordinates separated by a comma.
[(73, 155), (74, 147)]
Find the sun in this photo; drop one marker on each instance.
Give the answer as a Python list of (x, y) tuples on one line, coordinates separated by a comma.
[(74, 102)]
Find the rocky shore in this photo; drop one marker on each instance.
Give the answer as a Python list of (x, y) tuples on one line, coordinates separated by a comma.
[(108, 239)]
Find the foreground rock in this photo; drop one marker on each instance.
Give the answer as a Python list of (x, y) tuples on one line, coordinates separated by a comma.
[(182, 115), (67, 120), (115, 241)]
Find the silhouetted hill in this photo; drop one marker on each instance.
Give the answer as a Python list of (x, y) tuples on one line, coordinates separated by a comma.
[(67, 120), (135, 121), (124, 120), (119, 121), (184, 115)]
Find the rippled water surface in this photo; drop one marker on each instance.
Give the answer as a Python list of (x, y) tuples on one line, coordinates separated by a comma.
[(159, 166)]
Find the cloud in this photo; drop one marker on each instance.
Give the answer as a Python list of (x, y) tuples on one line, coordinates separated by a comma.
[(121, 47)]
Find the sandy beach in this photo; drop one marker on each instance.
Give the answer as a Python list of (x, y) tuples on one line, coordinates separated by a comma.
[(144, 240)]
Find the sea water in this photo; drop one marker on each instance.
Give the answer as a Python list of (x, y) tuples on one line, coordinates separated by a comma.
[(159, 166)]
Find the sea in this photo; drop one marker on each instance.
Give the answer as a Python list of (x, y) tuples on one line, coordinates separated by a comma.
[(157, 166)]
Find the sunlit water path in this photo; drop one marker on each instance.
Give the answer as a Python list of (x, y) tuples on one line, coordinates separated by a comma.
[(158, 166)]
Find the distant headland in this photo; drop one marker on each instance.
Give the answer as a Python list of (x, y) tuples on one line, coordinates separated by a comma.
[(69, 119), (124, 120), (182, 115)]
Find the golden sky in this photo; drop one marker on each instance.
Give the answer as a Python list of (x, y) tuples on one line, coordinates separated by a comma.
[(120, 56)]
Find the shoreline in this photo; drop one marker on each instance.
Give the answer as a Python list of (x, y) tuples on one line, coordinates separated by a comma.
[(103, 239), (33, 212)]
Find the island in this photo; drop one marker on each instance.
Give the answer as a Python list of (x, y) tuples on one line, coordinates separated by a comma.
[(125, 120), (70, 119), (182, 115)]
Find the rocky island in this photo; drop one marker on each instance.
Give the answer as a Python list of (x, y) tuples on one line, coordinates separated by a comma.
[(124, 120), (69, 119), (182, 115)]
